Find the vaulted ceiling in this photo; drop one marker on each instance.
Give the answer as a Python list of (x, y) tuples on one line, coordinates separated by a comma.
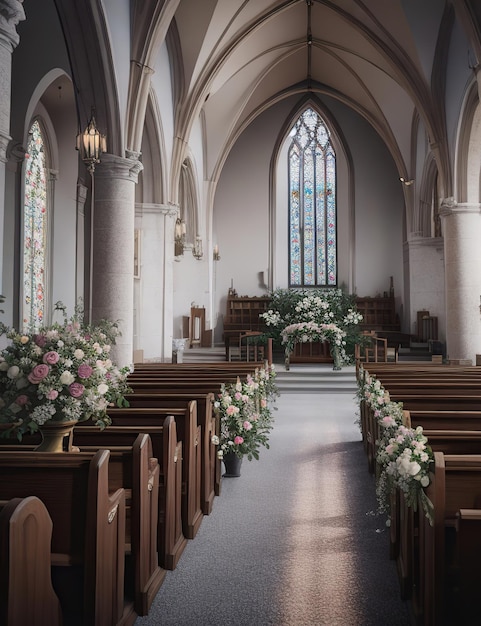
[(385, 59)]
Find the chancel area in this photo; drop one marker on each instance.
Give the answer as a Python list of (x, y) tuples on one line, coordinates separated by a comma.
[(182, 169)]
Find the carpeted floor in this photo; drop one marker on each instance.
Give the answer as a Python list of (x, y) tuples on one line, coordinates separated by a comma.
[(295, 541)]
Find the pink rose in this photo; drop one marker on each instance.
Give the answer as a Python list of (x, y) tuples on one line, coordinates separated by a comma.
[(38, 373), (247, 425), (238, 440), (51, 357), (21, 400), (52, 394), (40, 340), (84, 370), (76, 390)]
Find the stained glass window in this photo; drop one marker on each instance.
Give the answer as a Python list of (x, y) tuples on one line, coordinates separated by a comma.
[(35, 230), (312, 204)]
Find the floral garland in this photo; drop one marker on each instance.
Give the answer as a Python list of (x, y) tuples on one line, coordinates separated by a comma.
[(245, 415), (61, 372), (304, 332), (403, 456)]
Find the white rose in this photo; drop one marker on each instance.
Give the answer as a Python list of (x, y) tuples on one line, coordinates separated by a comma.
[(13, 371), (3, 366), (102, 389), (79, 354), (67, 378)]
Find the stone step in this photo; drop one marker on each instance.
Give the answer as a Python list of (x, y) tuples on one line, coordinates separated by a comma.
[(315, 378)]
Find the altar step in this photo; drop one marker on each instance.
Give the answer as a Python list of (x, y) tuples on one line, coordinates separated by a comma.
[(301, 378), (316, 378)]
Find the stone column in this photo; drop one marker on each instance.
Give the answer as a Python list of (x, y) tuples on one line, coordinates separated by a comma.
[(113, 248), (156, 291), (462, 254), (11, 13)]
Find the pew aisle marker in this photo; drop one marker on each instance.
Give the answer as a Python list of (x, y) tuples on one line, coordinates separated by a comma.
[(57, 373), (404, 458)]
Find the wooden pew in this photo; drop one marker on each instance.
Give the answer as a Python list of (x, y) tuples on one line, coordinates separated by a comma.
[(456, 485), (88, 528), (210, 470), (468, 527), (26, 592), (189, 433), (134, 469), (171, 541)]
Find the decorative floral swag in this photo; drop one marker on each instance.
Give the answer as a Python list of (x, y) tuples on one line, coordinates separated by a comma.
[(404, 457)]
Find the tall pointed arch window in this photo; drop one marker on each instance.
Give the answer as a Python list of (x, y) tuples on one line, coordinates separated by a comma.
[(35, 224), (312, 204)]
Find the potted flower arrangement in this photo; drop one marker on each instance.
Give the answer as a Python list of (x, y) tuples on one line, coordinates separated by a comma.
[(302, 315), (245, 416), (60, 373)]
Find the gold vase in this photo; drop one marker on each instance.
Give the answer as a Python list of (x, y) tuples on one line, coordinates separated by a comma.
[(56, 436)]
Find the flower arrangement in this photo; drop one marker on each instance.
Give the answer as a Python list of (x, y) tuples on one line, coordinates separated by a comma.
[(60, 372), (310, 331), (331, 309), (245, 414), (404, 457)]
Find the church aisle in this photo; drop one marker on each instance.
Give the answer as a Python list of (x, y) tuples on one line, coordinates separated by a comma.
[(295, 540)]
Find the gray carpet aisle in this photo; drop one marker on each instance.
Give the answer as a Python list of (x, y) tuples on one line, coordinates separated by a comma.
[(295, 540)]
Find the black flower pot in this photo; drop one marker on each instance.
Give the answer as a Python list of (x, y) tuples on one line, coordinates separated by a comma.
[(232, 464)]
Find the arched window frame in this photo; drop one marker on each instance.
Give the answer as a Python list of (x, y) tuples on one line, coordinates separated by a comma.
[(35, 296), (312, 160)]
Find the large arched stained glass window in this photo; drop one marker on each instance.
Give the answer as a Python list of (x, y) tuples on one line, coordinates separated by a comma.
[(35, 230), (312, 204)]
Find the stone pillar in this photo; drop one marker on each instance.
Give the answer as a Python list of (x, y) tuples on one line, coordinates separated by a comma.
[(462, 254), (11, 13), (156, 289), (113, 248)]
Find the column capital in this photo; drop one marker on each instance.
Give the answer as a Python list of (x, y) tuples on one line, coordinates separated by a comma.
[(144, 208), (11, 13), (113, 166), (449, 206)]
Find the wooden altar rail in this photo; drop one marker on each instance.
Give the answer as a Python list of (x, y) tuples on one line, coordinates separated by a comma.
[(26, 592), (88, 539)]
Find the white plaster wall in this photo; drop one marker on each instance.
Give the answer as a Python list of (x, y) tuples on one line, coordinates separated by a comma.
[(426, 256)]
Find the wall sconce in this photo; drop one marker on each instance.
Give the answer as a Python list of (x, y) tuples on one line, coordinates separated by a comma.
[(179, 237), (91, 144), (197, 249), (216, 253), (406, 182)]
